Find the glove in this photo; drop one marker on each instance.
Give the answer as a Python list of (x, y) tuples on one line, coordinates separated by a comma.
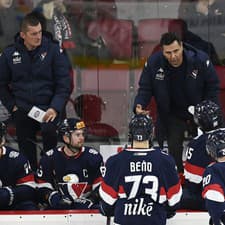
[(71, 190), (83, 203), (59, 201), (106, 209), (94, 196), (170, 211), (170, 214), (6, 197)]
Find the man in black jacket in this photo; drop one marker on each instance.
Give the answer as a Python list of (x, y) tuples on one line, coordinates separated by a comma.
[(34, 73), (178, 76)]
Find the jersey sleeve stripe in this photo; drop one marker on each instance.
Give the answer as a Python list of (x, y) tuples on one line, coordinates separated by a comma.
[(162, 197), (197, 170), (121, 192), (192, 177), (213, 192), (44, 184), (106, 196), (27, 180), (174, 194), (97, 182)]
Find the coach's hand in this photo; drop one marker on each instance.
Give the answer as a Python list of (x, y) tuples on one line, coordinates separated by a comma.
[(50, 115)]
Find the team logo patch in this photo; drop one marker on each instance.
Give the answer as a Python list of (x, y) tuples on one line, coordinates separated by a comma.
[(50, 152), (160, 75), (43, 55), (71, 178), (79, 125), (194, 74), (79, 188), (16, 58)]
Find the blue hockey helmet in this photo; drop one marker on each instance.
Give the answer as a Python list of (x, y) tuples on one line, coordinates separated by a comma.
[(208, 115), (141, 128), (67, 126), (215, 143)]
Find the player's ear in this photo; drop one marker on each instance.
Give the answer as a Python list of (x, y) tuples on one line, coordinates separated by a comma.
[(22, 34), (65, 138)]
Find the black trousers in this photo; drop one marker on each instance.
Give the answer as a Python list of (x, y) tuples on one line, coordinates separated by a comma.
[(26, 131), (174, 134)]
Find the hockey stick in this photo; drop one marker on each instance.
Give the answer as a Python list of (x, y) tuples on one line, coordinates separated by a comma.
[(108, 220)]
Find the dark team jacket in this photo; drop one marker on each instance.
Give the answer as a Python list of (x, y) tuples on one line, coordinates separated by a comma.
[(197, 159), (15, 173), (138, 183), (42, 80), (201, 81), (74, 176), (214, 191)]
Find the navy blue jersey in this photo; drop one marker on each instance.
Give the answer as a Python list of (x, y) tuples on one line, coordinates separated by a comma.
[(78, 175), (214, 190), (15, 169), (197, 160), (17, 177), (138, 182)]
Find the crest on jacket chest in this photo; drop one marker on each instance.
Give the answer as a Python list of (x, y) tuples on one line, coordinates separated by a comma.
[(160, 75), (16, 57), (194, 73)]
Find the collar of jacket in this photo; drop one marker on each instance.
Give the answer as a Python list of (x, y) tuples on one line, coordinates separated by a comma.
[(19, 43)]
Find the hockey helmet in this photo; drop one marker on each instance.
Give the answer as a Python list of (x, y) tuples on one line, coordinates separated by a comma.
[(67, 126), (141, 128), (208, 115), (215, 143)]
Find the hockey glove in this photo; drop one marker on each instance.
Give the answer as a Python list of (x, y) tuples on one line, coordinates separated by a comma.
[(94, 196), (6, 197), (83, 203), (170, 214), (70, 190), (59, 201), (170, 211), (106, 209)]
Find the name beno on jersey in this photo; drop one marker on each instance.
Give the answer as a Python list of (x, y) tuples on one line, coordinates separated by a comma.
[(140, 166)]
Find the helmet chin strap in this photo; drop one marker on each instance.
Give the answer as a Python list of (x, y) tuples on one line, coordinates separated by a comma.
[(2, 143)]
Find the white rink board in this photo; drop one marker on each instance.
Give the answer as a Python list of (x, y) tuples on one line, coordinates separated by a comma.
[(181, 218)]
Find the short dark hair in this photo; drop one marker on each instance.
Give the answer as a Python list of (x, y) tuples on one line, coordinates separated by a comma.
[(29, 20), (168, 38)]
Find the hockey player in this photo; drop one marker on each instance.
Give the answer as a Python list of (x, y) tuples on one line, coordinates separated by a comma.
[(17, 185), (141, 184), (208, 116), (68, 177), (214, 178)]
